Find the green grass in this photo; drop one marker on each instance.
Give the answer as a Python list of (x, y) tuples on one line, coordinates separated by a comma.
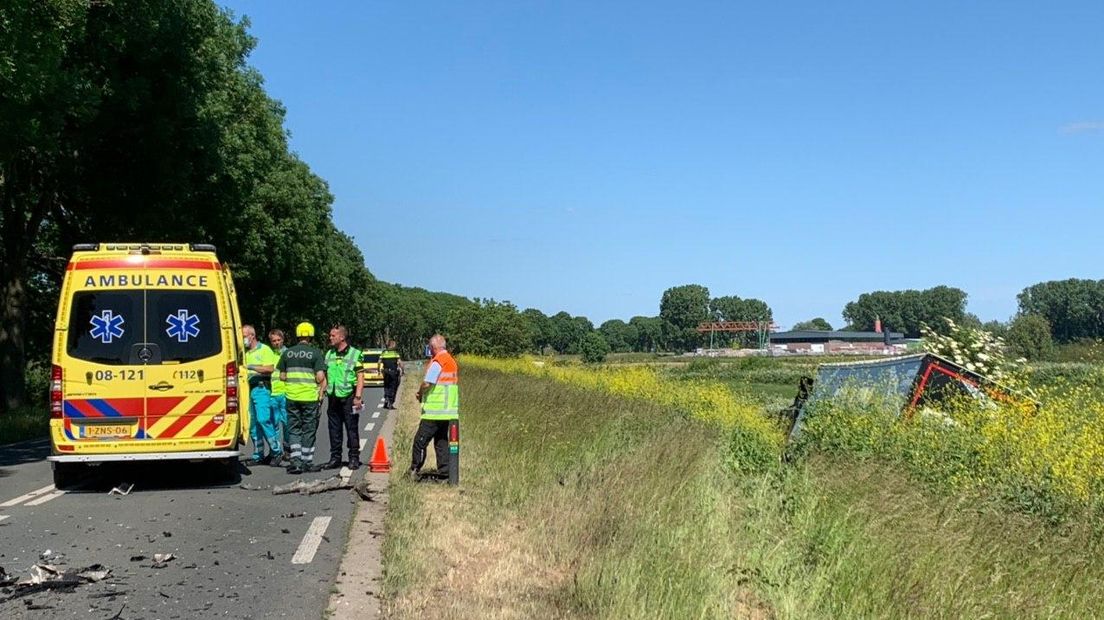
[(30, 422), (579, 504)]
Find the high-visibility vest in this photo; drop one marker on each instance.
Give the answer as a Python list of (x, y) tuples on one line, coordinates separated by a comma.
[(278, 387), (442, 402), (390, 359), (302, 362), (341, 371), (259, 356)]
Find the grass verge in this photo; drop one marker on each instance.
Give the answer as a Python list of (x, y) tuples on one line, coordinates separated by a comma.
[(30, 422), (577, 503)]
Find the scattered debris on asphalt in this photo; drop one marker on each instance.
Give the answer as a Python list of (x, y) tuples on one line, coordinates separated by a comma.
[(253, 487), (310, 488), (161, 559), (50, 577), (293, 515), (364, 490), (122, 489)]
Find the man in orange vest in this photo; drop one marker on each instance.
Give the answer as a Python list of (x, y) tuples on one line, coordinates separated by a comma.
[(440, 398)]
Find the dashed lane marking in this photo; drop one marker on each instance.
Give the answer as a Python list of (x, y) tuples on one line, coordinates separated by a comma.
[(376, 414), (309, 546), (45, 498), (370, 426), (2, 517), (345, 474), (363, 442), (23, 498)]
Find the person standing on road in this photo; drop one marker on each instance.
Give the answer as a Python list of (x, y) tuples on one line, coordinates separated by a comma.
[(303, 371), (392, 374), (279, 391), (346, 397), (260, 361), (440, 398)]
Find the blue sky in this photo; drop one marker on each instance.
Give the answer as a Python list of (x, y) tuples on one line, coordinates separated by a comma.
[(585, 156)]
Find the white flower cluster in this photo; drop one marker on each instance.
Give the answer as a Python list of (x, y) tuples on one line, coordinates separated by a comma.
[(976, 350)]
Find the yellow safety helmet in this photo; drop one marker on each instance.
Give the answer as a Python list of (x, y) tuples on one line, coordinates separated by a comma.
[(304, 330)]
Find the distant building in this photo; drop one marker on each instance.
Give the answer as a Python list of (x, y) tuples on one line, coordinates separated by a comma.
[(812, 341)]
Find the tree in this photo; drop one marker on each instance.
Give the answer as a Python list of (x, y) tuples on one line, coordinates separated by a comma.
[(1073, 308), (818, 324), (906, 311), (488, 327), (1029, 337), (540, 329), (682, 309), (619, 335), (649, 333), (594, 348)]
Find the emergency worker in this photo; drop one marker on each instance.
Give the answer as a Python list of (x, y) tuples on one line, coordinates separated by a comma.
[(345, 379), (392, 374), (260, 361), (279, 391), (440, 398), (303, 371)]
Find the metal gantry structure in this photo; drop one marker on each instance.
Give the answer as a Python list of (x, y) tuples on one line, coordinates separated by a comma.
[(762, 329)]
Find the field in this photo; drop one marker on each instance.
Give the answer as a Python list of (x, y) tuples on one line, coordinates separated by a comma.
[(641, 491)]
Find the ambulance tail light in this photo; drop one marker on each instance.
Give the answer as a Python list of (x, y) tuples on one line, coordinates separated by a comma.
[(55, 392), (232, 387)]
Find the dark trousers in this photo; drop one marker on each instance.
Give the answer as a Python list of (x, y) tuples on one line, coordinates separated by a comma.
[(436, 431), (390, 386), (339, 413)]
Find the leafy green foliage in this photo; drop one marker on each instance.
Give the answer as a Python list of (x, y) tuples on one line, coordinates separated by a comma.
[(1073, 308), (594, 348), (1029, 337), (682, 309), (813, 324), (488, 327), (907, 311)]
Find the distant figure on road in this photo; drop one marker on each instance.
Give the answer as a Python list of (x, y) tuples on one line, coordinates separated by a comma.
[(440, 398), (260, 362), (303, 371), (346, 397), (392, 374), (279, 391)]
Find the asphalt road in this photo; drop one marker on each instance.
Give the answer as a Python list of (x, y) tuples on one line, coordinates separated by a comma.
[(238, 553)]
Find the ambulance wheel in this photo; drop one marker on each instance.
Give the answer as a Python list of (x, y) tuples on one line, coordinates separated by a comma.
[(66, 475)]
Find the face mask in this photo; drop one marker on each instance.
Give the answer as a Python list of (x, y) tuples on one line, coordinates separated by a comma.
[(245, 341)]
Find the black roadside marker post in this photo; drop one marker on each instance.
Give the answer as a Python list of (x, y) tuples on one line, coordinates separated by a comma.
[(454, 452)]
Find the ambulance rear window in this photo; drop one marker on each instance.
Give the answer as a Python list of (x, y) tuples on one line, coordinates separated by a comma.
[(143, 327), (184, 324)]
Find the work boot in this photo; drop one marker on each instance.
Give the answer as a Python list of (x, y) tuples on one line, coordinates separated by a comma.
[(278, 460), (295, 469), (354, 463), (332, 464), (312, 468)]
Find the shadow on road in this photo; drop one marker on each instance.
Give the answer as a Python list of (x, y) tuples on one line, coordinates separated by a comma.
[(24, 452), (159, 476)]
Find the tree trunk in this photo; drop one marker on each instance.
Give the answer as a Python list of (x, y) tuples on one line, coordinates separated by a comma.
[(13, 303)]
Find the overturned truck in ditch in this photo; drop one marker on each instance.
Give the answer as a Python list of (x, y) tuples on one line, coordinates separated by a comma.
[(913, 382)]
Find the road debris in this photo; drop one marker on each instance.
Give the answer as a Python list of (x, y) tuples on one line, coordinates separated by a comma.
[(310, 488), (161, 559), (49, 577), (364, 490), (253, 487), (119, 490), (293, 515)]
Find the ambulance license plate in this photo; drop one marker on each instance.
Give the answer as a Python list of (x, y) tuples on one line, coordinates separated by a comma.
[(106, 431)]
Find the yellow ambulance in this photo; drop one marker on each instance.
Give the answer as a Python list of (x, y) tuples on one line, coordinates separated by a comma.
[(373, 367), (147, 357)]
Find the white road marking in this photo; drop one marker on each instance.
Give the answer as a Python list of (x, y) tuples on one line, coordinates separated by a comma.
[(376, 414), (370, 426), (383, 400), (363, 442), (23, 498), (2, 517), (345, 474), (305, 553), (46, 498)]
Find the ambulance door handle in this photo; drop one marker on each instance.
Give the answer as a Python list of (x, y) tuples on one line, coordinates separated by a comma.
[(162, 386)]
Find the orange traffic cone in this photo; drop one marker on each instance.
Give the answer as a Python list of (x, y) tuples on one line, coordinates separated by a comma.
[(380, 463)]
